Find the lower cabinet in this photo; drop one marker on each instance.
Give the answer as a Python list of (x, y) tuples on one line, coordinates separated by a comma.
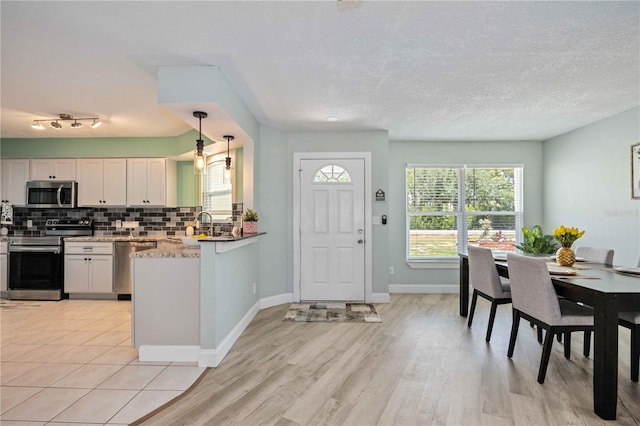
[(88, 268)]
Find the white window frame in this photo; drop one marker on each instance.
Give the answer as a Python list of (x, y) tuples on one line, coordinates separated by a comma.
[(218, 160), (461, 214)]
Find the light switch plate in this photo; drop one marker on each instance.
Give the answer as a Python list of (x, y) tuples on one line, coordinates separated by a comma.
[(118, 223)]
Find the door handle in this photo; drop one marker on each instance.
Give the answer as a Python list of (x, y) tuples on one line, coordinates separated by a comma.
[(360, 241)]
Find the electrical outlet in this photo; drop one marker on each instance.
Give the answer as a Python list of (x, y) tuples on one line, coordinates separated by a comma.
[(254, 288), (375, 220), (29, 223), (392, 270), (118, 223)]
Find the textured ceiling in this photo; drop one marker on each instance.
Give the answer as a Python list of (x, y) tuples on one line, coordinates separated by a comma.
[(421, 70)]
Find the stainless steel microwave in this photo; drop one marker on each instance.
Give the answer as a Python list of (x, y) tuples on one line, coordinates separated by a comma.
[(52, 194)]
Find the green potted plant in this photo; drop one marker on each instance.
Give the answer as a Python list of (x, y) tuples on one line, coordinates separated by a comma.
[(250, 222), (536, 242)]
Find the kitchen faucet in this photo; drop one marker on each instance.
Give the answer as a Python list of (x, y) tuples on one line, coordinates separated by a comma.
[(196, 222)]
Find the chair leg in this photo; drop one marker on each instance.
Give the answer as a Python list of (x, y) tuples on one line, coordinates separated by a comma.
[(586, 350), (474, 299), (546, 354), (567, 345), (514, 332), (492, 317), (559, 337), (635, 352), (539, 335)]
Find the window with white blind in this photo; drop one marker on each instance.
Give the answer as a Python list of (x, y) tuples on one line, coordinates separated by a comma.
[(452, 207), (217, 197)]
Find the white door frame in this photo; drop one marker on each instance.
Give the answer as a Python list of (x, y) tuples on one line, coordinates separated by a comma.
[(368, 239)]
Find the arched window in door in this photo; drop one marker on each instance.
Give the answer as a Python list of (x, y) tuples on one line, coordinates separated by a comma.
[(332, 173)]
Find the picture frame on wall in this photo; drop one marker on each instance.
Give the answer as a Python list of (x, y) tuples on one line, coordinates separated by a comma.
[(635, 171)]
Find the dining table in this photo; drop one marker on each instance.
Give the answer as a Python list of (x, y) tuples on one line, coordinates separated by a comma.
[(605, 289)]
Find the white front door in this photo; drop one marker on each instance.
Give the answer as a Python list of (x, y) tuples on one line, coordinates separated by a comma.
[(332, 229)]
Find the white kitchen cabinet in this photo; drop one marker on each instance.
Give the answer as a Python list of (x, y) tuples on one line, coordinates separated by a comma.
[(88, 267), (14, 176), (53, 169), (102, 182), (151, 182)]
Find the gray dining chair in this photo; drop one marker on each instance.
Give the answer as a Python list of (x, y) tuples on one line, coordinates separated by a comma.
[(631, 320), (595, 255), (534, 298), (486, 284)]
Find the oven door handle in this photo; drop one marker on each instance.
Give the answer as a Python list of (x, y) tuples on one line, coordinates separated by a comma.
[(25, 249)]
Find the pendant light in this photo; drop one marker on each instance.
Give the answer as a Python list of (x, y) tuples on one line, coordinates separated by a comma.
[(199, 158), (227, 161)]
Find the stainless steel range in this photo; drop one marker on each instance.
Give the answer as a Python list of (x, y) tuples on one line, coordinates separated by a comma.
[(36, 263)]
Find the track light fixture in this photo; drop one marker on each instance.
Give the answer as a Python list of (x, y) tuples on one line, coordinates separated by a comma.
[(55, 122), (199, 158)]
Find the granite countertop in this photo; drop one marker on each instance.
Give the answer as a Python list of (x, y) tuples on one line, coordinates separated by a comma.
[(113, 239), (169, 251), (182, 250)]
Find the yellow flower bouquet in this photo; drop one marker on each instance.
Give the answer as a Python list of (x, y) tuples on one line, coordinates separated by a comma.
[(567, 236)]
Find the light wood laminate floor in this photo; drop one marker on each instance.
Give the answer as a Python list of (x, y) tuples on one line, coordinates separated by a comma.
[(421, 366)]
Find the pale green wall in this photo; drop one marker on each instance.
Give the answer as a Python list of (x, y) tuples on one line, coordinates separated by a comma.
[(99, 147), (118, 147), (588, 184)]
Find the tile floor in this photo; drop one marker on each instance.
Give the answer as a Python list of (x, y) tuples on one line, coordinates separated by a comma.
[(72, 362)]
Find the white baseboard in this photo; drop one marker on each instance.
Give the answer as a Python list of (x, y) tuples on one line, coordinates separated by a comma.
[(424, 288), (168, 353), (380, 298), (225, 346), (279, 299), (208, 358)]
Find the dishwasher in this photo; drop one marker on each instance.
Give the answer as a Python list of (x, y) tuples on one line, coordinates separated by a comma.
[(122, 265)]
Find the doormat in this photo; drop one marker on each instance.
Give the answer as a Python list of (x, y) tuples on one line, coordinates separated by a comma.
[(332, 312)]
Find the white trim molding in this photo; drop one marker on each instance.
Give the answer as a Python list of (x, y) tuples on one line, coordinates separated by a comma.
[(424, 288), (380, 298), (280, 299), (168, 353)]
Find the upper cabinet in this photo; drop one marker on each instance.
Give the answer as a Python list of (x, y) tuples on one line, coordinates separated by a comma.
[(102, 182), (151, 182), (14, 177), (53, 169)]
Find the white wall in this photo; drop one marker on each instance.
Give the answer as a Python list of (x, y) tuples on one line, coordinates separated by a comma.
[(587, 183), (527, 153)]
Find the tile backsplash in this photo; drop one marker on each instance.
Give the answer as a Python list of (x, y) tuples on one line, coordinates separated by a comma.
[(161, 221)]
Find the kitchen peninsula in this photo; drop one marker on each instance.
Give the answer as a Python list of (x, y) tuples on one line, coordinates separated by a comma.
[(191, 304)]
